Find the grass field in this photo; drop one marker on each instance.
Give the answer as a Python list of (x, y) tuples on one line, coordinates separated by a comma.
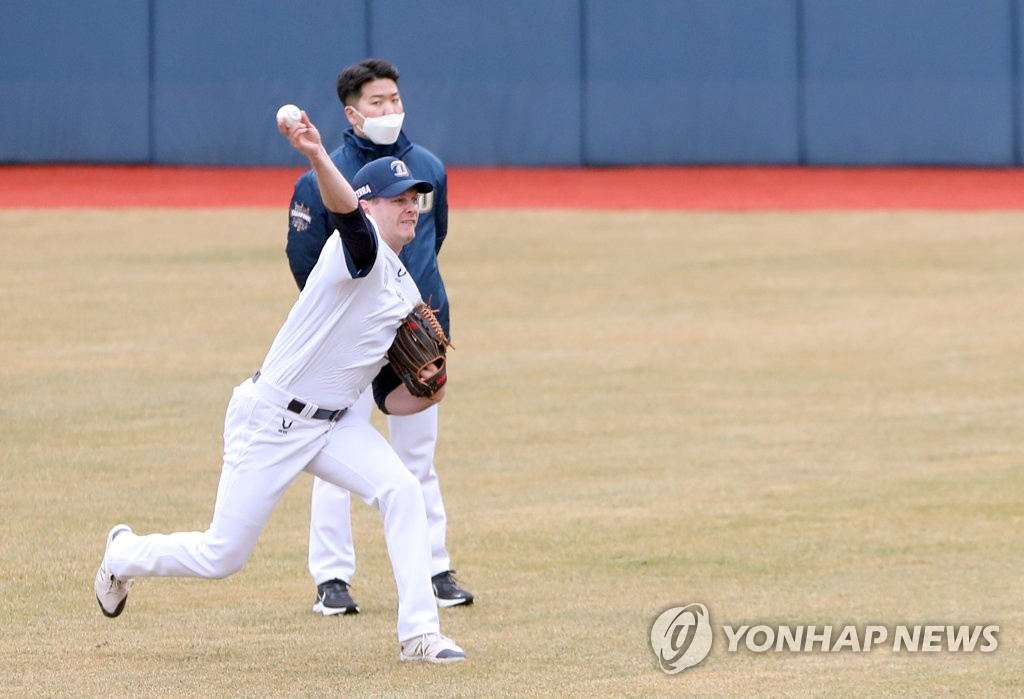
[(791, 418)]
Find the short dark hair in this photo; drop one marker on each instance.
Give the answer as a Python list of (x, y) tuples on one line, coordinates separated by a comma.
[(352, 79)]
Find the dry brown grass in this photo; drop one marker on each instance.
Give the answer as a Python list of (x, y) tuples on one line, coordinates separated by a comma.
[(792, 418)]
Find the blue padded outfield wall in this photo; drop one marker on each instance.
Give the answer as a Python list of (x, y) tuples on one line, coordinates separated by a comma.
[(531, 82)]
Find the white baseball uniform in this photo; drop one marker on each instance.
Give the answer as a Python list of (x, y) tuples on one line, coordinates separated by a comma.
[(329, 349)]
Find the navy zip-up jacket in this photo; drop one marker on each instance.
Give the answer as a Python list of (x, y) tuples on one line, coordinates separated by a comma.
[(308, 229)]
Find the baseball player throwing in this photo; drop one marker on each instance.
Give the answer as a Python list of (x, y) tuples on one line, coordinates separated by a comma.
[(292, 416)]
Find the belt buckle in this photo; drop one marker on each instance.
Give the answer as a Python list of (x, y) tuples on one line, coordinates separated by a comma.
[(306, 410)]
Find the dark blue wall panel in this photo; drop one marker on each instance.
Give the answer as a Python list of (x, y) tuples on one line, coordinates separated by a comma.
[(703, 81), (532, 82), (222, 69), (914, 81), (487, 83), (74, 80), (1018, 87)]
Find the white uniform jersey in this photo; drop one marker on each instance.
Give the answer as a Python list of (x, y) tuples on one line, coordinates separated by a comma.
[(337, 334)]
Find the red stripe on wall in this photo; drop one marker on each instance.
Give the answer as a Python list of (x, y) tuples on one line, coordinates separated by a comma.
[(658, 188)]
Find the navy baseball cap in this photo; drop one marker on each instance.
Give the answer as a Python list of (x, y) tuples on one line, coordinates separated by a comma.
[(386, 177)]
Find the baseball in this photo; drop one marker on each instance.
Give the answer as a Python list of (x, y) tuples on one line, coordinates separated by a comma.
[(289, 114)]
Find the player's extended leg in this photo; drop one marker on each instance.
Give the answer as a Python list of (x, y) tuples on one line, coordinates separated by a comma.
[(265, 448), (414, 439), (358, 458)]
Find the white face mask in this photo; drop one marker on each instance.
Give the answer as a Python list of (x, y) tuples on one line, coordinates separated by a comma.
[(382, 130)]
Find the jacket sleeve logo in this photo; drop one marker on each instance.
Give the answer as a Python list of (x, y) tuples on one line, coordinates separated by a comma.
[(300, 217)]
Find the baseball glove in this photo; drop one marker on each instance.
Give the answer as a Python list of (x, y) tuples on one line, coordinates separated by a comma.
[(420, 342)]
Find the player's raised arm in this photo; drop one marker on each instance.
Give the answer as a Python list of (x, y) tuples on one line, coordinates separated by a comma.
[(336, 192)]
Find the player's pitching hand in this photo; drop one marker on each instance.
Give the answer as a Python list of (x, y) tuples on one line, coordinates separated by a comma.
[(303, 135)]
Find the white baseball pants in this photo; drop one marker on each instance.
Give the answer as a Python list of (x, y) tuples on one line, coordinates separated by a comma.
[(265, 448), (331, 550)]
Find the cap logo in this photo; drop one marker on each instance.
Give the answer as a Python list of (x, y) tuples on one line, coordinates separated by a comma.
[(399, 168)]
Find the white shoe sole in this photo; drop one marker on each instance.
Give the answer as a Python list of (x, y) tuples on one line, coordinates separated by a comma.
[(445, 603), (435, 661), (319, 608)]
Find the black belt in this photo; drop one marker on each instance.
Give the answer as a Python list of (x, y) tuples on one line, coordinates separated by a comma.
[(297, 406)]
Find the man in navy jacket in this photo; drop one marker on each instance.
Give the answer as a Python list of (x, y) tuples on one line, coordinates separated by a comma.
[(373, 106)]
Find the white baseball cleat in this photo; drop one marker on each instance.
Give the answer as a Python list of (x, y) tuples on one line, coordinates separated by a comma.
[(432, 648), (111, 592)]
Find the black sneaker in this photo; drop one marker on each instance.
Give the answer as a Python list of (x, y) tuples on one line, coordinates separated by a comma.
[(332, 598), (447, 592)]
